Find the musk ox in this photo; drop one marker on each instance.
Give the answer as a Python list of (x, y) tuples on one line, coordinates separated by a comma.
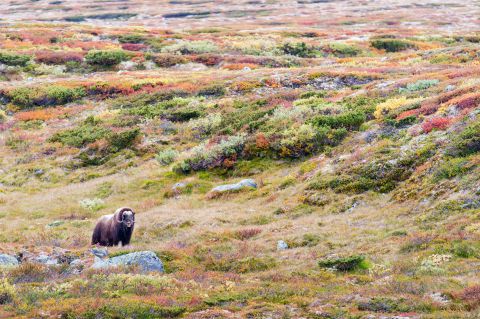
[(114, 229)]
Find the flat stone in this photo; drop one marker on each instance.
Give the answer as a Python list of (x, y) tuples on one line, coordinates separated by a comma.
[(148, 261), (8, 261)]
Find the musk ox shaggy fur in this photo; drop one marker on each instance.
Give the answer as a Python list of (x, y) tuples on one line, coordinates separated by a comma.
[(114, 229)]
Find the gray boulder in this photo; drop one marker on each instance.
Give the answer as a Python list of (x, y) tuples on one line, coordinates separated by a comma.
[(282, 245), (8, 261), (46, 260), (147, 261), (235, 187)]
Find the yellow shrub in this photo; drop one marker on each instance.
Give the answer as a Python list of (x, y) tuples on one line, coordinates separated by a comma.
[(392, 104)]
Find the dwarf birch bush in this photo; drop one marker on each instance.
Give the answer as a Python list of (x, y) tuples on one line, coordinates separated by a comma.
[(208, 155), (203, 126), (192, 47), (166, 157), (94, 204)]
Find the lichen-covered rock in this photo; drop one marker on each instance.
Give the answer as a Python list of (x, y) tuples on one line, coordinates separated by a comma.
[(8, 261), (147, 261), (235, 187)]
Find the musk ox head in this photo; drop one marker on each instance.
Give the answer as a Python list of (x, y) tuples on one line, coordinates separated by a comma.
[(125, 216)]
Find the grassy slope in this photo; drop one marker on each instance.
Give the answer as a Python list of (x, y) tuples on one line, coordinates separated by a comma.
[(419, 235)]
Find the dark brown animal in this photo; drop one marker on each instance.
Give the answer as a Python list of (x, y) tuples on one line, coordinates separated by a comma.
[(114, 229)]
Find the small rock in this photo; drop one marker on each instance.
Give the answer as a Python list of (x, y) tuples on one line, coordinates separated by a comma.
[(100, 252), (149, 65), (146, 260), (76, 266), (179, 185), (38, 172), (46, 260), (449, 88), (281, 245), (8, 261), (127, 66), (438, 297)]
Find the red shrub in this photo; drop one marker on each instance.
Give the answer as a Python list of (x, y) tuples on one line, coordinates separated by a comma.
[(58, 57), (466, 101), (247, 233), (261, 141), (439, 123), (406, 114), (208, 59), (471, 295), (133, 46)]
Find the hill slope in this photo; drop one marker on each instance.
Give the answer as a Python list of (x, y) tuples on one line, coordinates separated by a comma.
[(359, 126)]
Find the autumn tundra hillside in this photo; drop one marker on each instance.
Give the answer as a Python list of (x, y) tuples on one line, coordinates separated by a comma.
[(262, 159)]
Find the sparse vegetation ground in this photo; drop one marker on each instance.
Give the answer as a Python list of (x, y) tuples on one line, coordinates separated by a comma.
[(358, 121)]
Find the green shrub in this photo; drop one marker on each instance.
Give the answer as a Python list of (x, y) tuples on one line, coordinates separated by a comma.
[(191, 47), (13, 59), (225, 298), (391, 45), (344, 264), (299, 49), (451, 168), (89, 132), (133, 309), (465, 250), (176, 109), (308, 240), (212, 90), (26, 97), (92, 204), (343, 50), (465, 143), (207, 156), (144, 99), (241, 266), (419, 86), (131, 38), (166, 157), (122, 140), (306, 139), (105, 58), (350, 120), (381, 174)]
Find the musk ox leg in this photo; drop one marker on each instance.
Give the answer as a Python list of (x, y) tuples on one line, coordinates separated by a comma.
[(96, 237)]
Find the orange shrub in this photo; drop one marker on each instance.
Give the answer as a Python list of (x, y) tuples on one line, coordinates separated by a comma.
[(240, 66)]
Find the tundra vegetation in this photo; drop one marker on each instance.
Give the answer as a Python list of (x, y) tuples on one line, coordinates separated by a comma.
[(358, 121)]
